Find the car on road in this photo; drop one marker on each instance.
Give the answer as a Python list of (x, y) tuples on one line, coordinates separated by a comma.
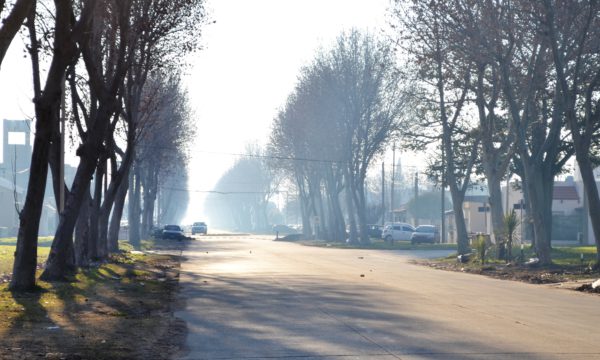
[(199, 228), (397, 232), (425, 234), (284, 229), (375, 231), (172, 232)]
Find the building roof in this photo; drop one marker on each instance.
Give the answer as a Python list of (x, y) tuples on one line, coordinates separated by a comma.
[(568, 192)]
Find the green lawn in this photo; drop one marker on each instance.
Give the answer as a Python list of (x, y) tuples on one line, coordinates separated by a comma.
[(571, 255), (7, 257), (561, 255), (7, 250)]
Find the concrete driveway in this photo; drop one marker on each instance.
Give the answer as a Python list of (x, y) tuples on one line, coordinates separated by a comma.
[(252, 298)]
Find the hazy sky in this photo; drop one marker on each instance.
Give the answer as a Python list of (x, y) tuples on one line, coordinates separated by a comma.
[(249, 65)]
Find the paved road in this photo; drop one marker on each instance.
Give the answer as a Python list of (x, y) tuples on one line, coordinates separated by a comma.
[(252, 298)]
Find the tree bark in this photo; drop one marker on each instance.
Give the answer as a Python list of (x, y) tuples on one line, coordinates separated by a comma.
[(539, 189), (82, 233), (336, 217), (94, 245), (496, 201), (351, 210), (12, 23), (25, 264), (117, 214), (591, 193), (110, 196), (57, 265), (134, 208)]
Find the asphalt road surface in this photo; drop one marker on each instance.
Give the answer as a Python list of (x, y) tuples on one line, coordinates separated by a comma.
[(249, 297)]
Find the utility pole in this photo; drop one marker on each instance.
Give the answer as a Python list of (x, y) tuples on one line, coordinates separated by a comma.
[(443, 227), (392, 203), (416, 193), (383, 194), (507, 191)]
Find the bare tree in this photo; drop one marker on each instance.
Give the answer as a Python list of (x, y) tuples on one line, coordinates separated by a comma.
[(441, 99), (47, 103), (573, 32), (468, 23), (345, 109), (126, 34), (524, 59), (161, 154), (12, 22)]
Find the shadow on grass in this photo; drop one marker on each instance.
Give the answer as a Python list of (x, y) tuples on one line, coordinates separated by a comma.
[(115, 311)]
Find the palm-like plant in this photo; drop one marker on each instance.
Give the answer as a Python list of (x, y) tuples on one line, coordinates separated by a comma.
[(511, 222)]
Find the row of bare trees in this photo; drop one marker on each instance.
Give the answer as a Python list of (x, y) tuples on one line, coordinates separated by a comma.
[(243, 197), (345, 109), (518, 83), (115, 64)]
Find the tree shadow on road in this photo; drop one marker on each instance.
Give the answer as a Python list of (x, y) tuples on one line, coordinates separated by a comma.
[(279, 316)]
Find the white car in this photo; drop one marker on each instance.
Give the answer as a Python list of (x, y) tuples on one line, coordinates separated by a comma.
[(199, 228), (397, 232)]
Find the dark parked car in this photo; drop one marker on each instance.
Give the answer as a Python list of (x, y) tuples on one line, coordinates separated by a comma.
[(425, 234), (375, 231), (173, 232), (284, 229)]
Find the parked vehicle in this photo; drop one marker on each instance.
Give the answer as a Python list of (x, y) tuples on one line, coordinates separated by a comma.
[(375, 231), (425, 234), (285, 229), (199, 228), (173, 232), (397, 232)]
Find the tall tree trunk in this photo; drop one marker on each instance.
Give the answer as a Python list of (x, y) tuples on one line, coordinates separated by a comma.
[(304, 206), (462, 236), (351, 209), (361, 211), (47, 104), (134, 208), (117, 214), (94, 245), (25, 263), (150, 182), (495, 161), (57, 268), (336, 217), (591, 193), (539, 189), (322, 223), (82, 233), (497, 214)]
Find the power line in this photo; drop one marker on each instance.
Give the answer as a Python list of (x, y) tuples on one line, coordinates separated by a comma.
[(222, 192), (248, 155)]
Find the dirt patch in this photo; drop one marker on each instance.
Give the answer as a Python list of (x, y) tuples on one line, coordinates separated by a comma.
[(588, 288), (119, 310), (570, 277)]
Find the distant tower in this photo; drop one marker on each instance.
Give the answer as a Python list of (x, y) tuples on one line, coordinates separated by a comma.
[(17, 150)]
